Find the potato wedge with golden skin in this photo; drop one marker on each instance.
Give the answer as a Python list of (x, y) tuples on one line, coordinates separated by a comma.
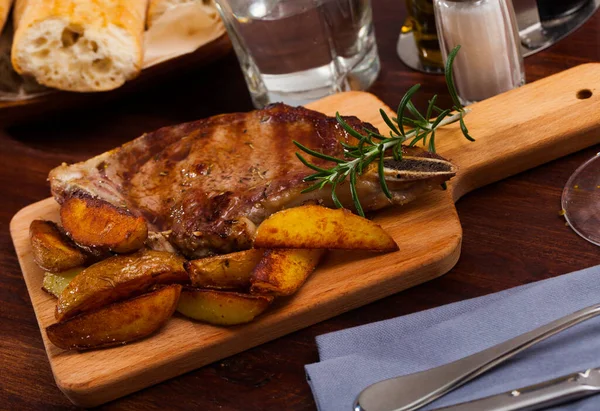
[(117, 323), (282, 272), (313, 226), (97, 224), (221, 307), (55, 283), (118, 278), (227, 271), (52, 250)]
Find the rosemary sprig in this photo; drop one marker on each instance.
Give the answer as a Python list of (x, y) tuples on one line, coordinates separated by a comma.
[(372, 146)]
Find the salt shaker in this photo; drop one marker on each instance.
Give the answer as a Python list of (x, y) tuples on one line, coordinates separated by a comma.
[(489, 61)]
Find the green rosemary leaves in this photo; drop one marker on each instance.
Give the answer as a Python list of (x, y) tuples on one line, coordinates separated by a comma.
[(372, 146)]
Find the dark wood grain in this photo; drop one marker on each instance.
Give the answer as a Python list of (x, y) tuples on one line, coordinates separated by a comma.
[(512, 231)]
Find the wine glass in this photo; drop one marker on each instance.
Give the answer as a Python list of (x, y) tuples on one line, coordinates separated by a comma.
[(581, 200)]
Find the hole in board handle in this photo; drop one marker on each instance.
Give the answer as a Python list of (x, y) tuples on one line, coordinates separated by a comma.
[(584, 93)]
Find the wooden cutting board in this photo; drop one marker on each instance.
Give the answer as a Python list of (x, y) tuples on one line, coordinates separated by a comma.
[(515, 131)]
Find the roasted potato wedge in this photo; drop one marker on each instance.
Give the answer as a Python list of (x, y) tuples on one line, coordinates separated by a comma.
[(227, 271), (97, 224), (282, 272), (55, 283), (313, 226), (118, 278), (221, 307), (117, 323), (52, 250)]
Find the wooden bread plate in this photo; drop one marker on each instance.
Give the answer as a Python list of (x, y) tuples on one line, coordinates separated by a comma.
[(514, 131), (13, 112)]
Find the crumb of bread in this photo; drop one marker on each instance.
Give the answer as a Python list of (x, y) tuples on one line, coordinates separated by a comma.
[(64, 55)]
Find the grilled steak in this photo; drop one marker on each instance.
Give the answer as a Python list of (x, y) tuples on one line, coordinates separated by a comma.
[(207, 184)]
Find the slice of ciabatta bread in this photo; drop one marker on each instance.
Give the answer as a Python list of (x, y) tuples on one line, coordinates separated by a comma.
[(157, 8), (17, 11), (79, 45), (4, 9)]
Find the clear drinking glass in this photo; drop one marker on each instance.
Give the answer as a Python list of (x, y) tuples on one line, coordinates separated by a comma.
[(297, 51), (418, 46)]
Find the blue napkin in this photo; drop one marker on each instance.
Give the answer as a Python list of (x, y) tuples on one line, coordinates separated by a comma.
[(354, 358)]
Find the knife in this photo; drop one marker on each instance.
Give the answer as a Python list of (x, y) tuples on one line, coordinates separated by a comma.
[(535, 397), (413, 391)]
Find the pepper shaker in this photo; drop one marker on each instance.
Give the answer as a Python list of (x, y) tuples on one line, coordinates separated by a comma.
[(490, 60)]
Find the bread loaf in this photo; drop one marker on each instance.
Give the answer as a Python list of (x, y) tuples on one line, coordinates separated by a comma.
[(157, 8), (4, 9), (18, 11), (79, 45)]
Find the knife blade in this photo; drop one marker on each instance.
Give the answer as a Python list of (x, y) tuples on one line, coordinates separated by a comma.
[(535, 397)]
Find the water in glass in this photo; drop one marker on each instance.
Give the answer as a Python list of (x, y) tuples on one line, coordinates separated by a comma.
[(297, 51)]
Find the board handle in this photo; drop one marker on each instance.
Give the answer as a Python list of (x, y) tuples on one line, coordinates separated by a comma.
[(524, 128)]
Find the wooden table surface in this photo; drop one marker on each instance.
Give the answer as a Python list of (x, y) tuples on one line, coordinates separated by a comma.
[(513, 234)]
